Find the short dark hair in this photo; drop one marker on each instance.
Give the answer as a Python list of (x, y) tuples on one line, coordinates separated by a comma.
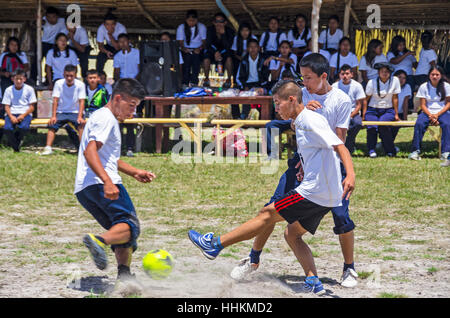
[(70, 68), (123, 35), (220, 14), (334, 17), (286, 42), (19, 71), (286, 88), (92, 72), (287, 73), (129, 87), (345, 68), (399, 72), (317, 63), (52, 10), (192, 14), (109, 15), (426, 38), (102, 73), (252, 41), (274, 18)]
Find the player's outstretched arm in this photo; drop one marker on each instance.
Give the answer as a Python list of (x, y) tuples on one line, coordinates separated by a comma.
[(349, 182), (140, 175)]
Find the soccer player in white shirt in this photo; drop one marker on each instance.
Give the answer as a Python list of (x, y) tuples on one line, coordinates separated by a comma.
[(303, 207), (98, 185)]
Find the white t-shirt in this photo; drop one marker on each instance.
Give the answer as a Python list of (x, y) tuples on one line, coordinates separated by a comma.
[(425, 58), (128, 63), (406, 91), (196, 40), (253, 76), (333, 40), (336, 107), (69, 96), (324, 53), (387, 89), (58, 63), (350, 59), (322, 181), (298, 42), (19, 100), (52, 30), (272, 43), (405, 65), (21, 55), (371, 72), (434, 103), (103, 127), (234, 47), (102, 33), (354, 90), (81, 36), (274, 65)]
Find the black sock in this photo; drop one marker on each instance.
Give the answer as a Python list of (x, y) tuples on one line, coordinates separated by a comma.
[(123, 269), (347, 266), (100, 239)]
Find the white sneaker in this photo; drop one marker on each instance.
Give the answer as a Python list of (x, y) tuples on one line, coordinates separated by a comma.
[(444, 156), (373, 154), (348, 278), (397, 149), (414, 155), (243, 270), (47, 151), (446, 163)]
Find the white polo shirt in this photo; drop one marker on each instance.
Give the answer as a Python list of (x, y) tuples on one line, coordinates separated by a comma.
[(384, 100), (434, 102), (405, 65), (354, 90), (50, 31), (425, 58), (196, 40), (350, 59), (272, 43), (324, 53), (371, 72), (234, 47), (274, 65), (128, 62), (69, 96), (406, 91), (102, 33), (19, 100), (298, 42), (59, 63), (81, 36), (333, 40), (322, 181)]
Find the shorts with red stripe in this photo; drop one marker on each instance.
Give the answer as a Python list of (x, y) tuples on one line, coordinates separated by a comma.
[(293, 207)]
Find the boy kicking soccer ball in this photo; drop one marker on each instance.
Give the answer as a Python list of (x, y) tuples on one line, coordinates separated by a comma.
[(98, 185), (304, 207)]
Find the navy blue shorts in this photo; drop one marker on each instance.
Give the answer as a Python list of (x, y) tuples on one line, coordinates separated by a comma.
[(288, 181), (111, 212), (24, 124), (65, 118)]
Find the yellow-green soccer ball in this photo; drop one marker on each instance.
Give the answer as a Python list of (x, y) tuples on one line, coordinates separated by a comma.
[(158, 264)]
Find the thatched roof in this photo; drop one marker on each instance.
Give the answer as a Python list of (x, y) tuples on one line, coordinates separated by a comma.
[(170, 13)]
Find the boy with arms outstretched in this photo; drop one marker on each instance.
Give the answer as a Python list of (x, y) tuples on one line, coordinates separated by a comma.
[(98, 185), (305, 206)]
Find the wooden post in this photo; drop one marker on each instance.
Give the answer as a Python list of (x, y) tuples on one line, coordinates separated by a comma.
[(252, 15), (228, 14), (348, 6), (147, 14), (39, 42), (315, 16)]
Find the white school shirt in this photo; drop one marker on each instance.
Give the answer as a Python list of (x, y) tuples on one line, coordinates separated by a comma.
[(434, 103), (81, 36), (405, 65), (298, 42), (425, 58), (59, 63), (244, 44), (103, 127), (336, 106), (102, 33), (387, 89), (371, 72), (322, 181), (272, 43), (274, 65), (406, 91), (21, 55), (51, 31), (333, 40), (253, 76), (19, 100), (324, 53), (354, 90), (196, 40), (350, 59), (69, 96), (128, 63)]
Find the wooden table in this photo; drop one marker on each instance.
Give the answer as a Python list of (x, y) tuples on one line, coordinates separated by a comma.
[(162, 110)]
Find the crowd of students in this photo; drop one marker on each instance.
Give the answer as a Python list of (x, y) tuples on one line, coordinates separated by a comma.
[(385, 93)]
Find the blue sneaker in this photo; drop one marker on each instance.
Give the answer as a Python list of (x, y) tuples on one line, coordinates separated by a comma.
[(203, 242), (313, 285)]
